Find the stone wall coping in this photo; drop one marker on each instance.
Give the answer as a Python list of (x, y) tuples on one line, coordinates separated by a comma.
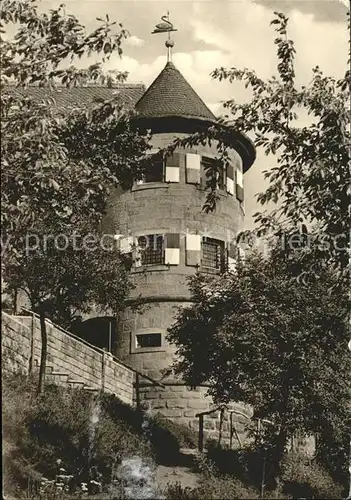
[(159, 298), (154, 268), (150, 185)]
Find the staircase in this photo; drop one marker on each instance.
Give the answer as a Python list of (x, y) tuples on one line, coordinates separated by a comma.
[(71, 361), (61, 379)]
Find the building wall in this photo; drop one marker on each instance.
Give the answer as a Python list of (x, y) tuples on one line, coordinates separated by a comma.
[(69, 356), (161, 208)]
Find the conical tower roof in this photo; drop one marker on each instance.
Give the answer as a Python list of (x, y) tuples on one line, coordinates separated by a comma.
[(170, 95)]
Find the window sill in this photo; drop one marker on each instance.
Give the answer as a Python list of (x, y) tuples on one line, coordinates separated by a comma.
[(144, 350), (154, 267), (150, 185), (208, 270)]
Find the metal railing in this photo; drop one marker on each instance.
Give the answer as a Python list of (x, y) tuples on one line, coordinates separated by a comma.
[(233, 429)]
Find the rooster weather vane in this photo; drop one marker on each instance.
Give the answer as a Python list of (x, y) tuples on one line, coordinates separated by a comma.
[(166, 27)]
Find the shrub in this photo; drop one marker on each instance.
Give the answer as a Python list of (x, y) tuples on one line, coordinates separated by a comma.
[(245, 464), (57, 426), (167, 437), (212, 488), (303, 478), (300, 477)]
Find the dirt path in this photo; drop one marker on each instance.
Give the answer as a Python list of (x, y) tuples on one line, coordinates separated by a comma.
[(184, 472)]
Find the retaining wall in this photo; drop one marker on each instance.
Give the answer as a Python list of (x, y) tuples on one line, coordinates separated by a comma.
[(21, 351)]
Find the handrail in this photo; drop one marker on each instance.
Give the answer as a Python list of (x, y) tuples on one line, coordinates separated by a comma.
[(208, 412), (237, 412), (95, 348)]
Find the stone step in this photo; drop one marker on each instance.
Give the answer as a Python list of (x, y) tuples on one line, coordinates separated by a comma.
[(91, 390), (57, 378), (75, 383)]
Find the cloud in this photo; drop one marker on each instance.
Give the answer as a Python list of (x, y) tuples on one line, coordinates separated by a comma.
[(134, 41)]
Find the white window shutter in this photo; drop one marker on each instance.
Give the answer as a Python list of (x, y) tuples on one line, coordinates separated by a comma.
[(193, 249), (230, 180), (172, 249), (172, 256), (193, 168), (126, 244), (239, 185), (239, 178), (172, 168)]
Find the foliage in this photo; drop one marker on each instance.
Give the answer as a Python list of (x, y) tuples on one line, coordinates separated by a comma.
[(58, 166), (333, 452), (301, 478), (74, 280), (309, 181), (45, 433), (261, 337), (244, 464), (58, 425), (212, 485), (304, 478), (183, 436), (212, 489)]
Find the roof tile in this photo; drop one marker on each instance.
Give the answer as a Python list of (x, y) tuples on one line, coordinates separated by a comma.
[(82, 97), (171, 95)]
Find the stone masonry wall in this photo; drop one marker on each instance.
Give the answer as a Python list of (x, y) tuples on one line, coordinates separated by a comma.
[(161, 208), (65, 354), (182, 404)]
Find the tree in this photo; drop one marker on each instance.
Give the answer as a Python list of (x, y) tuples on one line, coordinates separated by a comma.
[(310, 182), (40, 148), (263, 337), (57, 170)]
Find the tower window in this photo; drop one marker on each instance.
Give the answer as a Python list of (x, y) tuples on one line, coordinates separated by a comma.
[(213, 255), (148, 340), (151, 248), (210, 164), (154, 171)]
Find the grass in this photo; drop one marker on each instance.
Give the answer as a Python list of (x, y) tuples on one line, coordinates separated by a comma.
[(72, 433), (67, 443)]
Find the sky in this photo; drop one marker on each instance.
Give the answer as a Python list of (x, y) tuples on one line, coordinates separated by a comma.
[(215, 33)]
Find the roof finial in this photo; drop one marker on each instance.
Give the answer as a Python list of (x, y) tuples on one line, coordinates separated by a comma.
[(166, 27)]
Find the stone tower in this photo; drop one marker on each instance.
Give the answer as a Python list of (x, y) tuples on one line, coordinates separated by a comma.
[(163, 216)]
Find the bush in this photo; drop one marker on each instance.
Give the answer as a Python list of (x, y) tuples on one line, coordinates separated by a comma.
[(303, 478), (245, 464), (212, 488), (57, 426), (167, 437), (88, 434), (300, 477)]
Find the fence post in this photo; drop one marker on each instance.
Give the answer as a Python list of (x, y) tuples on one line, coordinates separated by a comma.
[(137, 390), (220, 426), (201, 433), (103, 369), (31, 354), (231, 431)]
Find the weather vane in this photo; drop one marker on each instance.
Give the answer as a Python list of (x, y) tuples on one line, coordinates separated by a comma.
[(166, 27)]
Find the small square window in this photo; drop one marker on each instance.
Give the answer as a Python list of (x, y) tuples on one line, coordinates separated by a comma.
[(148, 340)]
